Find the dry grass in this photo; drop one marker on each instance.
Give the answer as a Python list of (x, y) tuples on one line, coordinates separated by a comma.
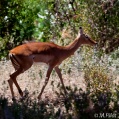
[(77, 104), (33, 79)]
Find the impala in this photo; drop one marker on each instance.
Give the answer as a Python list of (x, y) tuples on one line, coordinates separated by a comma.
[(23, 57)]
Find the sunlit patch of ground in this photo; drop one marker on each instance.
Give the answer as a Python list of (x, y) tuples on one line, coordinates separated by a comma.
[(33, 80)]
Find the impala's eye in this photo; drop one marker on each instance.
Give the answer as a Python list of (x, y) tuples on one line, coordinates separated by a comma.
[(86, 37)]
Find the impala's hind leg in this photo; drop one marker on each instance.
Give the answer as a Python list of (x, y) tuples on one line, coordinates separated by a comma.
[(21, 64), (13, 80), (10, 82)]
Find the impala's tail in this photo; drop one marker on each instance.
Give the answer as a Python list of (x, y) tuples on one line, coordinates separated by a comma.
[(14, 61)]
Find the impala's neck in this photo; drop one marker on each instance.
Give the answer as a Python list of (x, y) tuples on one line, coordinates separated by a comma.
[(71, 48)]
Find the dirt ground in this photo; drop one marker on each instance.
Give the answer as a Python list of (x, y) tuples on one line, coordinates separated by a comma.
[(33, 79)]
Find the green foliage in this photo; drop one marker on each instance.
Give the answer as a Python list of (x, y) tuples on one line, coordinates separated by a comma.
[(44, 21), (22, 20), (103, 19), (16, 18), (16, 23)]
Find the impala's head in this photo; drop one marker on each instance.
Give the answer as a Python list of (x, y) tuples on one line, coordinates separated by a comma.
[(85, 39)]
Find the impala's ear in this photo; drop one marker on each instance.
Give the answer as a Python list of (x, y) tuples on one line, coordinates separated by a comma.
[(80, 30)]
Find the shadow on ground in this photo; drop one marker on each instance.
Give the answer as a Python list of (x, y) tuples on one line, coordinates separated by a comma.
[(77, 104)]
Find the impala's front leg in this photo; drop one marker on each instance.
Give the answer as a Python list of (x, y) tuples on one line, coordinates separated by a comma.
[(10, 82), (46, 81), (61, 79)]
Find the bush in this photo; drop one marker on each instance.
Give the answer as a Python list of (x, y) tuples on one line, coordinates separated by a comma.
[(77, 104), (16, 23)]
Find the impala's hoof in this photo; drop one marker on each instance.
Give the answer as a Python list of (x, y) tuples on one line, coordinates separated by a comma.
[(13, 99), (25, 95), (38, 98), (22, 99)]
